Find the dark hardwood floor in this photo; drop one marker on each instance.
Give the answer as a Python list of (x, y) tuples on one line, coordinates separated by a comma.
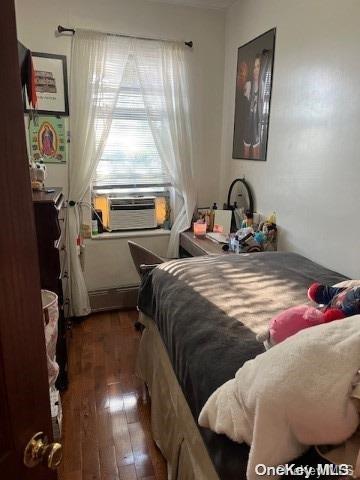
[(106, 427)]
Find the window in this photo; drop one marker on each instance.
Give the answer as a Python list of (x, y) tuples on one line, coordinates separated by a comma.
[(130, 159)]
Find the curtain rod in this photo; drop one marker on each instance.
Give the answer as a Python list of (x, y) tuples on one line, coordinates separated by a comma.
[(61, 29)]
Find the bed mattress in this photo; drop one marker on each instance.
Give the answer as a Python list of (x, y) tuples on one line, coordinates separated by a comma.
[(208, 311)]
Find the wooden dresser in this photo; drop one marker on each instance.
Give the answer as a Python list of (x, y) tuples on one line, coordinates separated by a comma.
[(49, 211)]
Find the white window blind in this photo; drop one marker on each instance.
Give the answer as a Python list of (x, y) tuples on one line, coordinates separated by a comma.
[(130, 157)]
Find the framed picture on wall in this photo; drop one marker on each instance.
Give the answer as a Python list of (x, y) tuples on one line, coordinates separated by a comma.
[(254, 74), (47, 139), (51, 84)]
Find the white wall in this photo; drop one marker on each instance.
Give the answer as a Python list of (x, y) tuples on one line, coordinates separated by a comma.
[(312, 174), (37, 21), (113, 266)]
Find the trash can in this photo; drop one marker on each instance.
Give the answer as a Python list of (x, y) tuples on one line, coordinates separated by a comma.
[(51, 316)]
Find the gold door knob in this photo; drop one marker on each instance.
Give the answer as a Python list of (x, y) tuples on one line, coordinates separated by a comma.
[(39, 450)]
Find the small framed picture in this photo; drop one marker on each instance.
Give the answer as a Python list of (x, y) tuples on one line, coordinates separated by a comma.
[(51, 84)]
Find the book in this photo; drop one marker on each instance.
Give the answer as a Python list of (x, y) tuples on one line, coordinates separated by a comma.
[(217, 237)]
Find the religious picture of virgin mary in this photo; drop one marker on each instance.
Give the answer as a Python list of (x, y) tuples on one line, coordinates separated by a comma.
[(252, 99), (47, 139)]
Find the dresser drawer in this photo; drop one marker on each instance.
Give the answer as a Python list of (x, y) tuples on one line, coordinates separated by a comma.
[(50, 229)]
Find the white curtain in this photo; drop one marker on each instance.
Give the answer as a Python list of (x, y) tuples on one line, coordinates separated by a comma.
[(97, 66), (163, 74)]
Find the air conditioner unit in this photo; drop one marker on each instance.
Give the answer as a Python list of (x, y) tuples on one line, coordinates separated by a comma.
[(132, 213)]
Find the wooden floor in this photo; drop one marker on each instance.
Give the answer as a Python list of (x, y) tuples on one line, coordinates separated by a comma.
[(106, 420)]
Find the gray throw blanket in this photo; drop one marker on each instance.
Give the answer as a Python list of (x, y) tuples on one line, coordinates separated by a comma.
[(208, 311)]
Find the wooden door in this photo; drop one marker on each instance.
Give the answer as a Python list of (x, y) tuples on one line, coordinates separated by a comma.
[(24, 393)]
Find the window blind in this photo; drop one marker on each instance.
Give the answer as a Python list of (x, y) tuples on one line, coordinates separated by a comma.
[(130, 157)]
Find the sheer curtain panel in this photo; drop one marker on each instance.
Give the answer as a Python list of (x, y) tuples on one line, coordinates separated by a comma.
[(97, 65), (163, 74), (117, 84)]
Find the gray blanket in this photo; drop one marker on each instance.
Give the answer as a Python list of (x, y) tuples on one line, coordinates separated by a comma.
[(208, 311)]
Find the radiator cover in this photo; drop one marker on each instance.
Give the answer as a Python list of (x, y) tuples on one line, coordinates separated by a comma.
[(114, 298)]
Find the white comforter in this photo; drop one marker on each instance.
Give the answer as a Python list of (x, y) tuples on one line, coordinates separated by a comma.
[(292, 396)]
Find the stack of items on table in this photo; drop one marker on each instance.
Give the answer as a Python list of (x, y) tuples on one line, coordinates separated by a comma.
[(254, 235)]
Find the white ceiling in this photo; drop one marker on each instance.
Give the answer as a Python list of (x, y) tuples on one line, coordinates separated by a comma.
[(218, 4)]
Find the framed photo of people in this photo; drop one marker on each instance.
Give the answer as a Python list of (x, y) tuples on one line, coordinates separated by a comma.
[(253, 97), (50, 84)]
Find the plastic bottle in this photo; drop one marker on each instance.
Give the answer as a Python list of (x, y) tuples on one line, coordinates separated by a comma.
[(94, 224), (207, 219), (94, 227)]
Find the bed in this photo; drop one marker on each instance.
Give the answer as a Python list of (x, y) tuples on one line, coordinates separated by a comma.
[(201, 316)]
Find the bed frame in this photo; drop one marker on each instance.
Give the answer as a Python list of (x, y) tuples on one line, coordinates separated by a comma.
[(173, 427)]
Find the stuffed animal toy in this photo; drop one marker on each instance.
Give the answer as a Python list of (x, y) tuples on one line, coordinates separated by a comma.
[(289, 322), (37, 175), (345, 299), (336, 303)]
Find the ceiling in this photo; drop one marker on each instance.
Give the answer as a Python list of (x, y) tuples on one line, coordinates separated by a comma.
[(217, 4)]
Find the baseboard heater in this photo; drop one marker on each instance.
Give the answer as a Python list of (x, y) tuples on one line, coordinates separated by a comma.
[(114, 298)]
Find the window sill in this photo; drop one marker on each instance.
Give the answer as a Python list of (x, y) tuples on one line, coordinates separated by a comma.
[(131, 234)]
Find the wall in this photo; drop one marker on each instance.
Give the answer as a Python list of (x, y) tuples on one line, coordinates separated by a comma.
[(312, 174), (114, 266), (37, 21)]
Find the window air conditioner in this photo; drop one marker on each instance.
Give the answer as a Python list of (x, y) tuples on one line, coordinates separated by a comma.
[(132, 213)]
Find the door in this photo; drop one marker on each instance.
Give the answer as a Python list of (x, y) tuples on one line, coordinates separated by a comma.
[(24, 392)]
